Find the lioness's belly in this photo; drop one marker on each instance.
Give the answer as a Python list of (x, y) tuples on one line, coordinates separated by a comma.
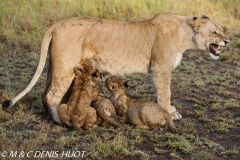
[(124, 64), (119, 47)]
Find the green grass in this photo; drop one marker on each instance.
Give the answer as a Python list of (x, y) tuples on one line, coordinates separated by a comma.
[(206, 92)]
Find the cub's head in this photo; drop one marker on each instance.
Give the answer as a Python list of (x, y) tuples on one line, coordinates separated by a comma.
[(117, 87), (115, 84), (88, 71), (208, 35)]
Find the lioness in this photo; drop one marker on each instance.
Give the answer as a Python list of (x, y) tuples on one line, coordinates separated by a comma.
[(139, 113), (86, 91), (155, 45)]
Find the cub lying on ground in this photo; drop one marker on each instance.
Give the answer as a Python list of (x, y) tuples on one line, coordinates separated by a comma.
[(86, 89), (139, 113)]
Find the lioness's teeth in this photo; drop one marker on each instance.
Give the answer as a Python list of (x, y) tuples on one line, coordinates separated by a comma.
[(220, 49)]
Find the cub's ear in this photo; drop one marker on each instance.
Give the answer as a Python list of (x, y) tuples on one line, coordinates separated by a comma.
[(126, 83), (113, 87), (78, 69), (96, 73), (94, 62)]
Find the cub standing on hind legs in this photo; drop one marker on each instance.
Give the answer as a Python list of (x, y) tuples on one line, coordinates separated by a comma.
[(139, 113), (78, 112)]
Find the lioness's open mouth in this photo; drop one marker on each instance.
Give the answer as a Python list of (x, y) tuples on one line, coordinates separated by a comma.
[(215, 49)]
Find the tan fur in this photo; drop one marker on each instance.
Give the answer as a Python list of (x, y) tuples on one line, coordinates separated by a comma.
[(87, 91), (105, 111), (77, 112), (154, 45), (139, 113)]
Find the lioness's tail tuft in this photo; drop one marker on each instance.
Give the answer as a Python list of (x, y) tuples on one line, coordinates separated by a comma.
[(6, 104)]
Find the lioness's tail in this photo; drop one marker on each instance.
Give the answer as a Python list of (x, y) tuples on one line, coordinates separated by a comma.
[(43, 56)]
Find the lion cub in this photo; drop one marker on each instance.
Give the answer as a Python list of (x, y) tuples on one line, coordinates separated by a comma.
[(141, 114), (105, 111), (86, 89)]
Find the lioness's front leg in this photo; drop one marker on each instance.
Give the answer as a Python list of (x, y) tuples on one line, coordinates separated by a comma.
[(162, 80)]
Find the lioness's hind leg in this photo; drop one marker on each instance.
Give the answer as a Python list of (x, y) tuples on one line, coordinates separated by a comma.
[(44, 100), (48, 83), (46, 88), (58, 88), (63, 61)]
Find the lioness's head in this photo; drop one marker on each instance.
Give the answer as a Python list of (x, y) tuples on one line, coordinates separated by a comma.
[(208, 35), (88, 71)]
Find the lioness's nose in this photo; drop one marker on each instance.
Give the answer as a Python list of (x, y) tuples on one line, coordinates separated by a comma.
[(226, 41)]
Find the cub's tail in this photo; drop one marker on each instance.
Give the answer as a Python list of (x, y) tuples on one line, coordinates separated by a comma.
[(172, 125), (169, 119)]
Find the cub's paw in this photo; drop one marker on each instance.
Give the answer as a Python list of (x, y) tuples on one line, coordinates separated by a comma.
[(94, 126), (176, 115)]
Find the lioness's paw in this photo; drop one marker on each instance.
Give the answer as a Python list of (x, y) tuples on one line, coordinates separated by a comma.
[(173, 109), (176, 115)]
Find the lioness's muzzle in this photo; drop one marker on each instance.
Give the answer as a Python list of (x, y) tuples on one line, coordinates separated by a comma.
[(226, 41)]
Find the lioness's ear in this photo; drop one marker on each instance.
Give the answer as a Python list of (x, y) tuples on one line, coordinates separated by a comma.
[(194, 18), (78, 69), (205, 17), (126, 83), (194, 22)]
